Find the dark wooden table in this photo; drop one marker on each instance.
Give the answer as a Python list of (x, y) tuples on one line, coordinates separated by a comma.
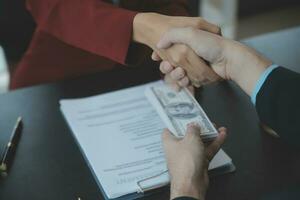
[(49, 165)]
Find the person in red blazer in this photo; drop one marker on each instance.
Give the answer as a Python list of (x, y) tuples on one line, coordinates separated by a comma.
[(75, 37)]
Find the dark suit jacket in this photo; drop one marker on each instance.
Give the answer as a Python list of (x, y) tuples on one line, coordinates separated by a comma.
[(278, 106)]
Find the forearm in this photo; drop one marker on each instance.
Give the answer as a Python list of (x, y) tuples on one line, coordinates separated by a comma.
[(143, 32), (148, 28), (244, 65), (143, 29), (187, 190)]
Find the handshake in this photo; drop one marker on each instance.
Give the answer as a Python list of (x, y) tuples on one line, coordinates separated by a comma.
[(193, 52)]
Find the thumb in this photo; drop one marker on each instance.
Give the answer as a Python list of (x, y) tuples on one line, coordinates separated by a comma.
[(175, 35), (193, 131), (205, 44), (168, 137), (215, 146)]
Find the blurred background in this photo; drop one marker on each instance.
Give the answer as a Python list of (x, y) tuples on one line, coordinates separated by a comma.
[(239, 19)]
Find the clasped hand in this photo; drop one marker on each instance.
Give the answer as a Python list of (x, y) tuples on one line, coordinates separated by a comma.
[(229, 59), (182, 66), (179, 61)]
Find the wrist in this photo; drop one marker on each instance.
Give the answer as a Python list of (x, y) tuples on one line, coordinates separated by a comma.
[(244, 65), (143, 30), (188, 189)]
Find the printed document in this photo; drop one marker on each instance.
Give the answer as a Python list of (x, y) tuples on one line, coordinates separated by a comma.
[(119, 134)]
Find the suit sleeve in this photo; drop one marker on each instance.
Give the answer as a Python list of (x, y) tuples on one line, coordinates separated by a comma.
[(91, 25), (278, 104)]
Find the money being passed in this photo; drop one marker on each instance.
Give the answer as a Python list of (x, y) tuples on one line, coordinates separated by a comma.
[(178, 109)]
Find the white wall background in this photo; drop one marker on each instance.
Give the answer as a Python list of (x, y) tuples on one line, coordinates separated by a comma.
[(4, 75), (222, 13)]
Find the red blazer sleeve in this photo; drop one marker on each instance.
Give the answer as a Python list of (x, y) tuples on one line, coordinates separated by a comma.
[(92, 25)]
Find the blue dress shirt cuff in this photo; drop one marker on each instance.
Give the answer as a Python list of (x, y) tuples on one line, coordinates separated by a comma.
[(261, 81)]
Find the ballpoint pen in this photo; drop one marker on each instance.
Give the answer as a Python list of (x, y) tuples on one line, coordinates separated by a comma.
[(10, 148)]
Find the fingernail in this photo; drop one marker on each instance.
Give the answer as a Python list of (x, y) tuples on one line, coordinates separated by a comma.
[(190, 125), (181, 84), (180, 76), (194, 124), (184, 82), (223, 129)]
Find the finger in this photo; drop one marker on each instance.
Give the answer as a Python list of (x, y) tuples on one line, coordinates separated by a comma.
[(165, 67), (196, 83), (202, 24), (155, 56), (215, 146), (184, 82), (184, 35), (191, 89), (192, 75), (175, 87), (189, 72), (177, 74), (171, 83), (168, 137), (205, 44), (175, 35), (222, 129), (200, 69), (193, 130)]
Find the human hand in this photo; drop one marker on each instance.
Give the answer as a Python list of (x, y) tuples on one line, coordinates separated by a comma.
[(188, 161), (148, 28), (178, 55), (228, 58), (177, 85), (187, 67), (175, 77)]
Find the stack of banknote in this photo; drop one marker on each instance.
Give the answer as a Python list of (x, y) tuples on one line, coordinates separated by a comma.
[(178, 109)]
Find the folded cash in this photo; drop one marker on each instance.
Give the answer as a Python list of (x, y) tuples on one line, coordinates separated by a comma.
[(178, 109)]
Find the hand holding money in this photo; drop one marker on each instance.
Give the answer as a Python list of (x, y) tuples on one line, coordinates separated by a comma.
[(178, 109), (187, 161)]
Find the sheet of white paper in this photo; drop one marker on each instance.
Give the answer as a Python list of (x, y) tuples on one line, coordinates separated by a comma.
[(119, 134)]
